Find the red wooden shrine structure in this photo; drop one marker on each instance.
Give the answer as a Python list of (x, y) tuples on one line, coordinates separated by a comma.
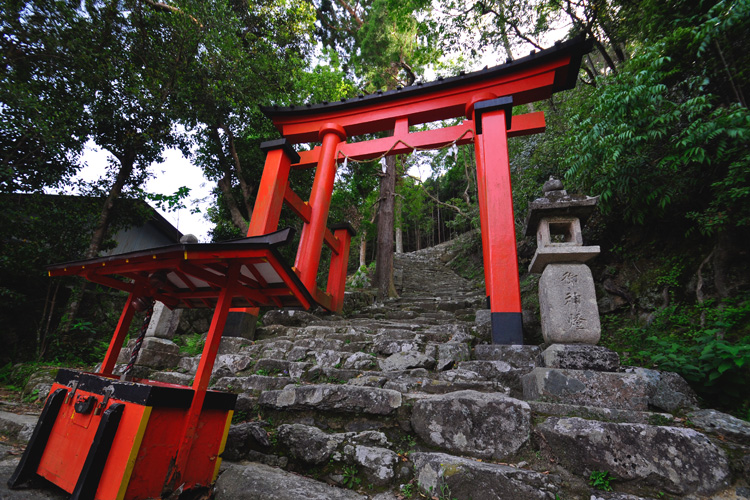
[(104, 437)]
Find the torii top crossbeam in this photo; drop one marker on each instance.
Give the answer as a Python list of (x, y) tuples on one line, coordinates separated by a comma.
[(531, 78)]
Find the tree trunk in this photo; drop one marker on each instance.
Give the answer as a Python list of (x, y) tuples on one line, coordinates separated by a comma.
[(384, 261), (399, 232), (363, 249), (439, 222), (44, 325), (724, 252), (504, 33), (127, 161), (225, 184)]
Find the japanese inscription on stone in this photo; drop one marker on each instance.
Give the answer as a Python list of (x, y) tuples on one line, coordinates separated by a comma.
[(573, 301), (568, 304)]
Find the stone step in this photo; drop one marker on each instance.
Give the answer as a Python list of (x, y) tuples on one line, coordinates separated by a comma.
[(638, 390), (676, 461), (369, 451), (17, 427), (252, 383), (440, 475), (547, 409), (254, 481), (518, 356), (327, 397), (481, 425)]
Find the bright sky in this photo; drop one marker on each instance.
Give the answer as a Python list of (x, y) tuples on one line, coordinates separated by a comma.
[(175, 172)]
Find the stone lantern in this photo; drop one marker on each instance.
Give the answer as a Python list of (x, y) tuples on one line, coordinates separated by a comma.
[(567, 298)]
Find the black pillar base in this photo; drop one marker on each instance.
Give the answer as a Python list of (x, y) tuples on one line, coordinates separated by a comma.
[(240, 324), (507, 328)]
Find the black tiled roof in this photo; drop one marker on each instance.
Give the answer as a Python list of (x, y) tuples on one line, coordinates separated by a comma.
[(577, 46)]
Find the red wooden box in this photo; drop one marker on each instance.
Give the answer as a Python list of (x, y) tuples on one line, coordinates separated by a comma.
[(106, 439)]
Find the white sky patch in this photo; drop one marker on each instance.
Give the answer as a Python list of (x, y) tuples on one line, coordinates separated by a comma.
[(176, 171)]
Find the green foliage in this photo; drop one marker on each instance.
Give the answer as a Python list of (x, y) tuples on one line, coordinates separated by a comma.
[(190, 344), (37, 231), (708, 344), (15, 377), (406, 445), (362, 278), (249, 54), (671, 274), (273, 437), (600, 480), (239, 417), (383, 42), (652, 137), (500, 27), (5, 374), (407, 490), (40, 142), (168, 203), (658, 419), (416, 212), (443, 492), (468, 261), (350, 474)]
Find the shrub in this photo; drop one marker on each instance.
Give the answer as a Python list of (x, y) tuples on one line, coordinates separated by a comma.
[(708, 344)]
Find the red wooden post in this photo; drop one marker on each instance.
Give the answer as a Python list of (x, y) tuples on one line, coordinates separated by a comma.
[(115, 345), (481, 189), (339, 261), (482, 202), (498, 224), (203, 373), (265, 218), (273, 184), (311, 240)]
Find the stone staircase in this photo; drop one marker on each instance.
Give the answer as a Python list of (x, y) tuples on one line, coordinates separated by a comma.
[(407, 399)]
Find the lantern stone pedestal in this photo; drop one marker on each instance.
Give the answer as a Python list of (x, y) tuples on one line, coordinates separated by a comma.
[(567, 298), (572, 369)]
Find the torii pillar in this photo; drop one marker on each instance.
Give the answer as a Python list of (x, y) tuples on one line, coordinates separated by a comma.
[(492, 119)]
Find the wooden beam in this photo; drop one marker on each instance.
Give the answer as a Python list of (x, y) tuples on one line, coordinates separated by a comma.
[(526, 124), (299, 207), (333, 243)]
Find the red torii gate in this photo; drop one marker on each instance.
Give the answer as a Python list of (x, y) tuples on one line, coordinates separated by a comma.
[(485, 98)]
